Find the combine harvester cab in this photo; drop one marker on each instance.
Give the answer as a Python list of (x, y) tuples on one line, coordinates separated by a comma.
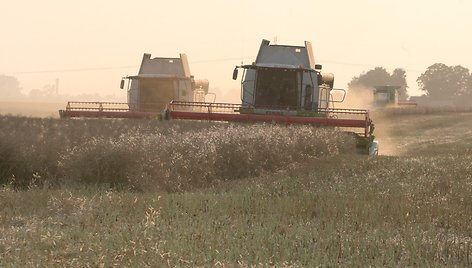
[(159, 81), (388, 97), (284, 85)]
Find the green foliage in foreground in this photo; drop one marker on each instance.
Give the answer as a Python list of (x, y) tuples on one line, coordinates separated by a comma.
[(338, 211)]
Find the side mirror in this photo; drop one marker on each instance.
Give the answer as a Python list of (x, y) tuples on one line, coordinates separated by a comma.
[(122, 84), (318, 67), (235, 73), (340, 96)]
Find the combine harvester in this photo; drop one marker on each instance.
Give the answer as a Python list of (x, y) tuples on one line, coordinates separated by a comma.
[(387, 96), (160, 81), (283, 85)]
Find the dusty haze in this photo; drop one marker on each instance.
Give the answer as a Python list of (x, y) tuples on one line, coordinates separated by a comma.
[(90, 45)]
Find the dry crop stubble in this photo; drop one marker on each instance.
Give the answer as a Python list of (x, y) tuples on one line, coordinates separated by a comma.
[(334, 209), (153, 155)]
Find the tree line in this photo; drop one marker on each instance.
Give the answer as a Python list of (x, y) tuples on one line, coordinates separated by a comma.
[(439, 82), (10, 90)]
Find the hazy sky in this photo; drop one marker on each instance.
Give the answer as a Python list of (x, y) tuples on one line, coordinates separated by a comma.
[(89, 45)]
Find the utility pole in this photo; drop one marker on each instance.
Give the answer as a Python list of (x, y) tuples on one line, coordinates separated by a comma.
[(57, 87)]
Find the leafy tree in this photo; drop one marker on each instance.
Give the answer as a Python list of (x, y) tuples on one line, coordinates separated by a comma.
[(380, 77), (442, 82), (398, 78), (9, 88)]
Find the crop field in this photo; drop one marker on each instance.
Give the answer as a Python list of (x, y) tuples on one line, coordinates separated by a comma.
[(143, 193)]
